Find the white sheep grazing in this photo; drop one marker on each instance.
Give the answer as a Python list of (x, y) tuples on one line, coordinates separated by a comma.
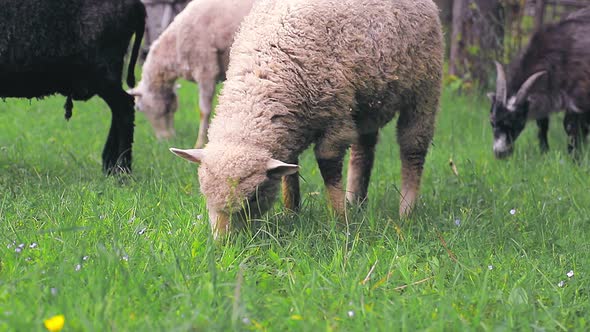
[(195, 47), (323, 72)]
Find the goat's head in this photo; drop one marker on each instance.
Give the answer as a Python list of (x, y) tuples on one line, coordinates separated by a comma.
[(508, 114)]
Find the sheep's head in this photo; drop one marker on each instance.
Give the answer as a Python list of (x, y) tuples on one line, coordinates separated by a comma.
[(508, 115), (159, 106), (239, 182)]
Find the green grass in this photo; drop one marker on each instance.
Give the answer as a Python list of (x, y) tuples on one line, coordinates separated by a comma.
[(148, 263)]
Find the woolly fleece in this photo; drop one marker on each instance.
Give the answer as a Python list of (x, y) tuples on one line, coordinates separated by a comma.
[(195, 47), (321, 72)]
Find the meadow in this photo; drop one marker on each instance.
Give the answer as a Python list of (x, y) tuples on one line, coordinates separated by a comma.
[(488, 248)]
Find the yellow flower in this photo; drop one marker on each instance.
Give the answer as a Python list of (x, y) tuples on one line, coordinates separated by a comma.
[(55, 323)]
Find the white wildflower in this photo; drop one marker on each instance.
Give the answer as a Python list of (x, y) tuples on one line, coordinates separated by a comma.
[(19, 248)]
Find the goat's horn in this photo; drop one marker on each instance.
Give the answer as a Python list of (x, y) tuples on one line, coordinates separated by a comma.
[(501, 93), (526, 86)]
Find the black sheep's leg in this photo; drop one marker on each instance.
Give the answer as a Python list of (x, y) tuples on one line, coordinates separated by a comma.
[(116, 156), (69, 105), (543, 125)]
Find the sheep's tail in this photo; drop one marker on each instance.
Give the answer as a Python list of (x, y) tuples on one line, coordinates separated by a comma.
[(139, 29)]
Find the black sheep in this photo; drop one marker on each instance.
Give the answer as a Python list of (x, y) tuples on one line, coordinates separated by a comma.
[(75, 48)]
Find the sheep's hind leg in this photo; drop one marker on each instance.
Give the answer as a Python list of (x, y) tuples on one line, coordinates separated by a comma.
[(543, 125), (362, 156), (330, 161), (206, 92), (290, 188), (116, 155), (415, 129)]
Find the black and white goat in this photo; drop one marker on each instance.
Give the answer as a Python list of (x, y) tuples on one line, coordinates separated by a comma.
[(553, 74), (75, 48)]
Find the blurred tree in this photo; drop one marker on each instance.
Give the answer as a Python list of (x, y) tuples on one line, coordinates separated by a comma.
[(446, 17), (477, 39)]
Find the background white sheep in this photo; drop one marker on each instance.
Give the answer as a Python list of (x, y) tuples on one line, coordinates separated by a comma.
[(195, 47), (329, 73)]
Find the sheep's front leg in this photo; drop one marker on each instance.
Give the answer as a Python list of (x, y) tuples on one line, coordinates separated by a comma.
[(290, 188), (206, 92), (543, 125), (330, 159), (362, 156), (415, 128)]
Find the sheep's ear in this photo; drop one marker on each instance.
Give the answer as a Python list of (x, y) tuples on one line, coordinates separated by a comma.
[(491, 96), (192, 155), (276, 168), (134, 92)]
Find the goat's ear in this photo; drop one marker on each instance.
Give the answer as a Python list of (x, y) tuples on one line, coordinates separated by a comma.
[(276, 168), (134, 92), (491, 96), (192, 155)]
